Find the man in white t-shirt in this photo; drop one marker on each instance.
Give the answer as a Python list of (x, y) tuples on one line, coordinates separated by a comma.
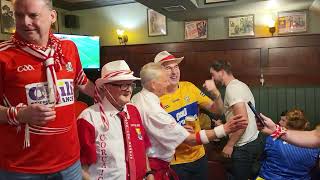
[(164, 132), (242, 146)]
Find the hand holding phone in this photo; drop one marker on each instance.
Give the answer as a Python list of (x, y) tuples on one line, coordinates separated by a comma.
[(255, 112)]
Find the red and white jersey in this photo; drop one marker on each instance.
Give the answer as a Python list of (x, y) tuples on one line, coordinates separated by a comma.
[(23, 80), (104, 149)]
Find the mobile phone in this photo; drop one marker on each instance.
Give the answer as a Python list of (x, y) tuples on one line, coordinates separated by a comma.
[(255, 112)]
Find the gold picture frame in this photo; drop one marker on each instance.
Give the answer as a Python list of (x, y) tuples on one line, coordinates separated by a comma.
[(8, 22), (196, 30), (292, 22), (239, 26)]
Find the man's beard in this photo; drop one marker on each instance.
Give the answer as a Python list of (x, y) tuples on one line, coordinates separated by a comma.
[(218, 83)]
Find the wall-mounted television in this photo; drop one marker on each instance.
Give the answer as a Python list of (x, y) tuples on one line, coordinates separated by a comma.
[(88, 47)]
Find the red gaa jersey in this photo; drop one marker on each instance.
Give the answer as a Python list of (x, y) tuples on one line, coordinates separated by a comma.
[(55, 146)]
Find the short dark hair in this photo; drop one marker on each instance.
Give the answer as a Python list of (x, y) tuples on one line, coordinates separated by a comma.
[(219, 65)]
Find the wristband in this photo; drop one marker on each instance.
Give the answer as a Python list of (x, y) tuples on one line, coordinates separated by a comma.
[(216, 94), (12, 116), (198, 139), (278, 132), (219, 131), (12, 113), (203, 137), (217, 97)]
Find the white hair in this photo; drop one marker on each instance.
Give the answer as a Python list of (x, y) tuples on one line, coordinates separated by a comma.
[(150, 72)]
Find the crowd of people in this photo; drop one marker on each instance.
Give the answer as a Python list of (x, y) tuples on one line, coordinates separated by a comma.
[(156, 134)]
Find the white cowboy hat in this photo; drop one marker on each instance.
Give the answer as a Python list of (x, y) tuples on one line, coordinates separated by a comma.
[(115, 71), (165, 56)]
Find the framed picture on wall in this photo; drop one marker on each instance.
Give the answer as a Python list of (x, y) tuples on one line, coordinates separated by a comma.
[(157, 23), (194, 30), (7, 17), (292, 22), (241, 25), (55, 25)]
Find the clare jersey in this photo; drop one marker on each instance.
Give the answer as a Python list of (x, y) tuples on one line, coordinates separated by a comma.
[(23, 79), (185, 102)]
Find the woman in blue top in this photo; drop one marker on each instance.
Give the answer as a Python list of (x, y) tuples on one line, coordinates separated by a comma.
[(284, 161)]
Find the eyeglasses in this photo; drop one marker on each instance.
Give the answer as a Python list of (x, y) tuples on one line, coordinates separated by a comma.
[(124, 87)]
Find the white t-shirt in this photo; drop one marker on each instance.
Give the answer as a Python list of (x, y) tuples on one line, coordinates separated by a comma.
[(164, 132), (236, 92)]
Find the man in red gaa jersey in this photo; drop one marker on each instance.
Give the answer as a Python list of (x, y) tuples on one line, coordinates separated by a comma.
[(38, 74)]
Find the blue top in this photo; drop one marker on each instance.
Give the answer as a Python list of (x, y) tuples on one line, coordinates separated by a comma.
[(285, 161)]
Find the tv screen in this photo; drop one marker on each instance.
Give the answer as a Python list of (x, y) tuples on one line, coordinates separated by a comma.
[(88, 47)]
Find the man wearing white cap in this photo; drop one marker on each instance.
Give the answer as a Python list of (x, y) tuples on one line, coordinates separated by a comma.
[(112, 139), (182, 100), (164, 132)]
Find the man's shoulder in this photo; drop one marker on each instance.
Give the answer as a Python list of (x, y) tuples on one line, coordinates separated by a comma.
[(188, 88), (131, 107), (185, 83), (89, 112), (6, 46), (67, 43), (236, 82), (136, 97)]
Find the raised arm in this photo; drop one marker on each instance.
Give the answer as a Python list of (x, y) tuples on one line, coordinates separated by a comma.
[(309, 139), (217, 105)]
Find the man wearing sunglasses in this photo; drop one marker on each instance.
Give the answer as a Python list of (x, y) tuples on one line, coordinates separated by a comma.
[(113, 141)]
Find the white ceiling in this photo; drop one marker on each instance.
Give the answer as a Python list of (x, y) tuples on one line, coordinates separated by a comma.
[(198, 9)]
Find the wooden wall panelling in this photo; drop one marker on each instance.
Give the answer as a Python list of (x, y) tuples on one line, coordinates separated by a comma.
[(300, 98), (291, 98), (293, 65), (310, 106), (273, 107), (283, 59), (271, 101), (290, 65), (281, 101), (245, 64), (317, 104)]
